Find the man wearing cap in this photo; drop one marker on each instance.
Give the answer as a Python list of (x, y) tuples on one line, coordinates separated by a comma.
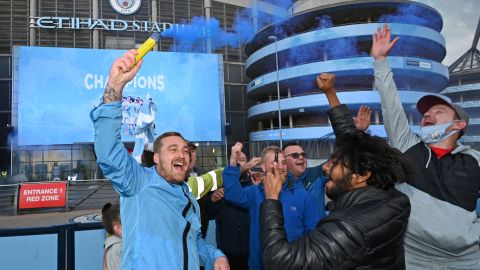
[(443, 230)]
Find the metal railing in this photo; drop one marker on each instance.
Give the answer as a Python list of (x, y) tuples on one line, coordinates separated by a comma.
[(80, 195), (461, 88), (468, 104)]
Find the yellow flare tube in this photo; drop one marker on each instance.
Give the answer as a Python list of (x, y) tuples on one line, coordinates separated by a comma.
[(147, 46)]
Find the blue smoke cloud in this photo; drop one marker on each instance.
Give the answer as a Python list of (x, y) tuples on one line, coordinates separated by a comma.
[(324, 21), (193, 36), (336, 48), (418, 15), (331, 49), (411, 14)]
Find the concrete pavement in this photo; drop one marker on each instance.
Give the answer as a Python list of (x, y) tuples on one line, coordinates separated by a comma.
[(48, 219)]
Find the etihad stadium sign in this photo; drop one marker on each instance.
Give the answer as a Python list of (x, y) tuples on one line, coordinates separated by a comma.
[(102, 24)]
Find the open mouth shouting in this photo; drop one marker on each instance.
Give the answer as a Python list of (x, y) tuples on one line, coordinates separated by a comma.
[(428, 123), (180, 166)]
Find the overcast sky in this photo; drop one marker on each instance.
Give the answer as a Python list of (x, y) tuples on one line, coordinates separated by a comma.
[(460, 19)]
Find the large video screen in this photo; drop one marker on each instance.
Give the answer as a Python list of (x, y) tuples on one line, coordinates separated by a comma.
[(58, 87)]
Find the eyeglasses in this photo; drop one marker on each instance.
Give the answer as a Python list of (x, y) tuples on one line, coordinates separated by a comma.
[(297, 155)]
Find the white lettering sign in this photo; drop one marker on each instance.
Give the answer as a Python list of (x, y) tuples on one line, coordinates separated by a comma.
[(99, 81), (104, 24)]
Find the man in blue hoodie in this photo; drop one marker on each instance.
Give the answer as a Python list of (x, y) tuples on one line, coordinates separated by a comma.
[(301, 215)]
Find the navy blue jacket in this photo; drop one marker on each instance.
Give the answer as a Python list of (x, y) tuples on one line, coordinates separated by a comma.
[(232, 224)]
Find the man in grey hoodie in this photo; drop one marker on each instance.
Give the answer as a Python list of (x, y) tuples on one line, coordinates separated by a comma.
[(443, 230)]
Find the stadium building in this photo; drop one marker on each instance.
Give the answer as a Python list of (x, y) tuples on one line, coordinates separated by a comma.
[(335, 37), (94, 24), (464, 89), (312, 37)]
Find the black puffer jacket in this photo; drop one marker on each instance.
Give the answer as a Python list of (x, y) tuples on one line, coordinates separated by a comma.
[(364, 231)]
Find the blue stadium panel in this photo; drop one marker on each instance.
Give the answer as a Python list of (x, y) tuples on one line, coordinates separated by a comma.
[(400, 11), (310, 133), (429, 44), (306, 47), (413, 73), (319, 103), (474, 87)]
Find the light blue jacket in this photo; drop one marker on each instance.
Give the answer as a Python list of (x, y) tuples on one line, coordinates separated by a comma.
[(151, 208)]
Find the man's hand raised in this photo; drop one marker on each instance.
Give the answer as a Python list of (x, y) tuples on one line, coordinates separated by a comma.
[(363, 119), (236, 150), (252, 163), (326, 82), (122, 71), (381, 45)]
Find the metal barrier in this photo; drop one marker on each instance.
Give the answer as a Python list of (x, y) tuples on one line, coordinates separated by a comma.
[(81, 195), (8, 199), (74, 246)]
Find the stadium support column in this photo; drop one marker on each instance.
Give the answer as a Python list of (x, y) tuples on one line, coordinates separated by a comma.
[(155, 18), (96, 33), (208, 13), (255, 15), (275, 39), (33, 11), (290, 116)]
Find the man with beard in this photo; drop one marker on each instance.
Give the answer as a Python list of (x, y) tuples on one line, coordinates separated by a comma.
[(160, 217), (443, 230), (368, 215), (312, 178)]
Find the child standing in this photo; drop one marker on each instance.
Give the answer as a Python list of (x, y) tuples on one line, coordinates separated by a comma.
[(112, 256)]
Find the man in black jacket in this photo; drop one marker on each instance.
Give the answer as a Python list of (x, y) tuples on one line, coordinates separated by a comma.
[(368, 216)]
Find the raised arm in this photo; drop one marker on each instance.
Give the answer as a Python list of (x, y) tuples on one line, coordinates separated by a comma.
[(233, 191), (394, 117), (122, 71), (340, 118), (112, 157)]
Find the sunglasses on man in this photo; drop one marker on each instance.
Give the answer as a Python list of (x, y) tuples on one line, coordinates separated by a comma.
[(297, 155)]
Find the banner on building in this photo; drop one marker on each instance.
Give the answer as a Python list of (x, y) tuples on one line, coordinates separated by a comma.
[(56, 88), (42, 195)]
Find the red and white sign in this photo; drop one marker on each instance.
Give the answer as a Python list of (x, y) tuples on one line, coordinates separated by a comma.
[(42, 195)]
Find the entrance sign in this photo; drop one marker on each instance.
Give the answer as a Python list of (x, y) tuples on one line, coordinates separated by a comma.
[(42, 195)]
